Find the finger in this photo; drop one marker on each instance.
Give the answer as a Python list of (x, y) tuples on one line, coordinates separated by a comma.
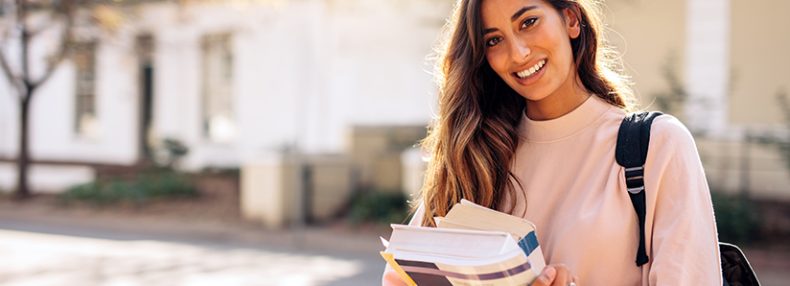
[(546, 277), (563, 276)]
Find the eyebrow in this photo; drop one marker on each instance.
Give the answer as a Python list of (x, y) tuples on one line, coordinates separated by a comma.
[(521, 12), (512, 18)]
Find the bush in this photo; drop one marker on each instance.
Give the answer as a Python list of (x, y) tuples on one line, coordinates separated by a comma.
[(737, 218), (159, 184), (169, 152), (379, 207)]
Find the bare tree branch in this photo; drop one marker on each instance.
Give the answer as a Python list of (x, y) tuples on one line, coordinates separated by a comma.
[(43, 25), (13, 79), (52, 64), (51, 67), (66, 40)]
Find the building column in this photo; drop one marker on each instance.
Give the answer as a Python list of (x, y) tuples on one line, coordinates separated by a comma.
[(708, 65)]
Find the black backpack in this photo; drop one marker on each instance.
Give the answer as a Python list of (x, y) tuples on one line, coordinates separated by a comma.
[(633, 139)]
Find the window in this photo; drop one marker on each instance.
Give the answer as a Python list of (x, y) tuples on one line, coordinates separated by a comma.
[(84, 57), (218, 117)]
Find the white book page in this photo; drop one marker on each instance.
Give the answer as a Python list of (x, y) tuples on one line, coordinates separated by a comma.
[(456, 259), (438, 241), (478, 217)]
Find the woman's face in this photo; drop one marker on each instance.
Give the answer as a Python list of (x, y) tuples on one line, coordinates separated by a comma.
[(528, 45)]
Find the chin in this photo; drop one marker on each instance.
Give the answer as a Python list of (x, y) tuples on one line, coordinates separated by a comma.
[(533, 95)]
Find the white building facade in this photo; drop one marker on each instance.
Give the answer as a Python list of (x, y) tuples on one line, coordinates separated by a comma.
[(235, 80), (231, 80)]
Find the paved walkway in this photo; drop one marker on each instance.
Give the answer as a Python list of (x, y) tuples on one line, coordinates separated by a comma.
[(50, 251)]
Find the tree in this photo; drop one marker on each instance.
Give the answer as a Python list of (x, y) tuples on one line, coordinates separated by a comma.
[(780, 140), (28, 19)]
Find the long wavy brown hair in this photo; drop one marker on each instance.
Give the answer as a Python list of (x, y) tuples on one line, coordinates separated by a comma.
[(473, 139)]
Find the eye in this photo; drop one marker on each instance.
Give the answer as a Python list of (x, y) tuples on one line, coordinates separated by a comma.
[(528, 22), (493, 41)]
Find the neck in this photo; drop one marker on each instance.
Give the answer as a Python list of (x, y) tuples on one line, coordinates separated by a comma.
[(565, 99)]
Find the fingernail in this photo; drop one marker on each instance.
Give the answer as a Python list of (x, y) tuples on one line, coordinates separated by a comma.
[(549, 273)]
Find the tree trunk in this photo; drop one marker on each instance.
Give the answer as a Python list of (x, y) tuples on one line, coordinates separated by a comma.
[(23, 159), (25, 83)]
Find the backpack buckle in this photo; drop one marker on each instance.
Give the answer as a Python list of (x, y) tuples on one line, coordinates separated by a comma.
[(636, 190), (634, 179)]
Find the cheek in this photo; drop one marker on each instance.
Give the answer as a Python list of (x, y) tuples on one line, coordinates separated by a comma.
[(497, 61), (566, 65), (560, 51), (555, 44), (565, 52)]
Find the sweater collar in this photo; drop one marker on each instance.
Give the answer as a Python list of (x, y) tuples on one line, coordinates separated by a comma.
[(564, 126)]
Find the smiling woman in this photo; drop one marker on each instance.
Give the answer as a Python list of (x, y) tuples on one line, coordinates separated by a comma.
[(529, 111), (518, 49)]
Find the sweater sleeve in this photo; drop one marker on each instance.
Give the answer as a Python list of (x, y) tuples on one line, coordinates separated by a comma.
[(683, 241), (390, 278)]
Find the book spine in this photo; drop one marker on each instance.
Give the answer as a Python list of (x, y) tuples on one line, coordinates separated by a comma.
[(426, 273), (529, 243)]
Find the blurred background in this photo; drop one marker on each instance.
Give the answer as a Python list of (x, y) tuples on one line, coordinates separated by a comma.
[(191, 142)]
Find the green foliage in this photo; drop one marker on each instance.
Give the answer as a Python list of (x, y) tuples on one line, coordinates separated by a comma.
[(150, 185), (676, 95), (737, 218), (780, 141), (379, 207), (783, 144), (169, 152), (175, 147)]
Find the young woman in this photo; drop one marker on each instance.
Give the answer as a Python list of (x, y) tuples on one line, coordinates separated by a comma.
[(529, 111)]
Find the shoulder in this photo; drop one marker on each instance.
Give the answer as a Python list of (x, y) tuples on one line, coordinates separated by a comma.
[(668, 130), (671, 142)]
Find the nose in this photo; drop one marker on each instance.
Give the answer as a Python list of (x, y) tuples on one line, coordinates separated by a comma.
[(519, 51)]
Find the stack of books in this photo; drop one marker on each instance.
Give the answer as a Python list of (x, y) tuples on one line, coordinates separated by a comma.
[(471, 245)]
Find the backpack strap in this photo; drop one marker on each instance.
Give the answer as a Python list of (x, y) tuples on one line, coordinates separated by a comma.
[(633, 139)]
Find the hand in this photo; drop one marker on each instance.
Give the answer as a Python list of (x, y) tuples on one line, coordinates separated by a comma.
[(555, 275), (391, 278)]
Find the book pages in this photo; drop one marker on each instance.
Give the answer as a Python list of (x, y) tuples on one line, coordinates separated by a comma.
[(471, 245)]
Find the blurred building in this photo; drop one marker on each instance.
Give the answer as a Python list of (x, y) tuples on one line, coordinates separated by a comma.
[(236, 79), (724, 64), (230, 80)]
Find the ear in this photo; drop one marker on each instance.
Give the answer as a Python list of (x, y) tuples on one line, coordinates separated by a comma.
[(572, 21)]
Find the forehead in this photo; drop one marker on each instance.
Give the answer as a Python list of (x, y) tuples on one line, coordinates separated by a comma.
[(496, 11)]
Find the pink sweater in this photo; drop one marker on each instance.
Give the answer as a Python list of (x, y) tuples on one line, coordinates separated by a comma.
[(575, 195)]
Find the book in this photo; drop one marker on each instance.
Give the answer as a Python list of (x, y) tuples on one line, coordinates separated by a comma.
[(471, 245)]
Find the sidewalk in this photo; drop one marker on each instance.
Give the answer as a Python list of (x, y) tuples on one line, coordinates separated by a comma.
[(50, 246), (338, 238)]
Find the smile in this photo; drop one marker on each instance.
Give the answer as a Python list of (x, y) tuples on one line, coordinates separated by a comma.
[(532, 70)]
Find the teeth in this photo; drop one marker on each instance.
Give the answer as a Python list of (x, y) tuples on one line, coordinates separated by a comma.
[(532, 70)]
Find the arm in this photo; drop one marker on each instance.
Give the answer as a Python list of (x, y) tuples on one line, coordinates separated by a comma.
[(390, 278), (684, 241)]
